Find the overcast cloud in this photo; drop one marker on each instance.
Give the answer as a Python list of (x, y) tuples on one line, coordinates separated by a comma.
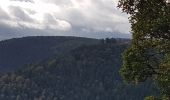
[(89, 18)]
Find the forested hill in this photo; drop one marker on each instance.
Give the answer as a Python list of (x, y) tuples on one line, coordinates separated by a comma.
[(15, 53), (88, 72)]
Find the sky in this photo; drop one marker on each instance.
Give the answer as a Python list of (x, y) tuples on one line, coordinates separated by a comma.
[(82, 18)]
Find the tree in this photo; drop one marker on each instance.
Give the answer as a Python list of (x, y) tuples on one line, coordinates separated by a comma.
[(148, 57)]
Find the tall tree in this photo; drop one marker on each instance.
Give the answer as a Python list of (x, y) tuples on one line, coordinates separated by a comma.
[(149, 53)]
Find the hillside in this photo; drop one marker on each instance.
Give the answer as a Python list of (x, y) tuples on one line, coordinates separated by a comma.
[(15, 53), (88, 72)]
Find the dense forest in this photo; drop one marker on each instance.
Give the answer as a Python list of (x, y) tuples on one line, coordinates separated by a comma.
[(15, 53), (82, 72)]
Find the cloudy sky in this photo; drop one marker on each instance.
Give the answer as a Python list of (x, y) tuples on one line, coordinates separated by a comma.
[(87, 18)]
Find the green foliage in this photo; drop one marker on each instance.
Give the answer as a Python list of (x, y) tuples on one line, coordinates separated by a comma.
[(156, 98), (148, 55)]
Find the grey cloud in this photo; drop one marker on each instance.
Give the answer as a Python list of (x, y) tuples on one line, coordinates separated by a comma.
[(24, 0), (31, 12), (49, 19), (95, 20), (77, 17), (19, 14), (96, 34), (7, 32), (59, 2), (103, 5), (3, 14)]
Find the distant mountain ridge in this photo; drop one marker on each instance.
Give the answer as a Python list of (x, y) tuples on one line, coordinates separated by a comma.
[(20, 51)]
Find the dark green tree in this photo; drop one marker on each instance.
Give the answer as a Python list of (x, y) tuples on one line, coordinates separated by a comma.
[(148, 57)]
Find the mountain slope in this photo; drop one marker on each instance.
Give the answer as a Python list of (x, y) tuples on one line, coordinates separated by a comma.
[(85, 73), (18, 52)]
